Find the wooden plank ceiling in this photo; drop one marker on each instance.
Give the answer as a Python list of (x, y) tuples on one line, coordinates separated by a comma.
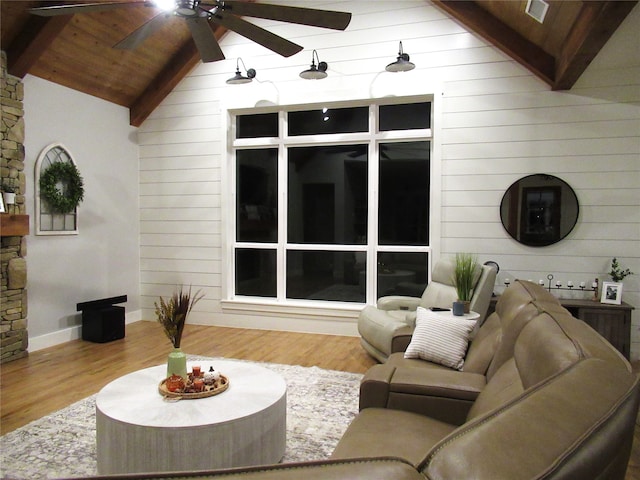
[(76, 50)]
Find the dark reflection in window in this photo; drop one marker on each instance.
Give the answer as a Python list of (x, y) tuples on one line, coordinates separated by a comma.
[(323, 120), (402, 273), (327, 189), (257, 193), (332, 276), (257, 126), (403, 210), (405, 116), (256, 272)]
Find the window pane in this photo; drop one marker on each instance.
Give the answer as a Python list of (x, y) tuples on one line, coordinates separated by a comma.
[(327, 200), (258, 125), (405, 117), (402, 274), (335, 276), (322, 120), (403, 211), (257, 193), (256, 272)]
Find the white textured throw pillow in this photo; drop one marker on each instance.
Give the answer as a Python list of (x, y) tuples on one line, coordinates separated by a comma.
[(440, 338)]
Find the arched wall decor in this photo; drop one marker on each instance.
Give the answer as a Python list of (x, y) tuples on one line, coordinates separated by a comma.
[(49, 220)]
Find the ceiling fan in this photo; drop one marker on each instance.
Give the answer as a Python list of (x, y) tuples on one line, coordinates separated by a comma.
[(199, 14)]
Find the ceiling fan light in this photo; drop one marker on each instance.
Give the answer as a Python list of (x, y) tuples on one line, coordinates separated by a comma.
[(166, 5), (402, 64), (315, 72)]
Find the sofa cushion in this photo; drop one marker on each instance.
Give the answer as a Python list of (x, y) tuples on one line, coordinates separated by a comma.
[(369, 435), (440, 338)]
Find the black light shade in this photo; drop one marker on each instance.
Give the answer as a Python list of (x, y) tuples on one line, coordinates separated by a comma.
[(402, 64), (315, 73), (238, 78)]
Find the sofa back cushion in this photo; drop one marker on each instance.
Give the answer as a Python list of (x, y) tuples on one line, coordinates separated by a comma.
[(515, 309), (440, 292), (541, 351), (483, 346)]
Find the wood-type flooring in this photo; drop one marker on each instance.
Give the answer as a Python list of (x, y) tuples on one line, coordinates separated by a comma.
[(53, 378)]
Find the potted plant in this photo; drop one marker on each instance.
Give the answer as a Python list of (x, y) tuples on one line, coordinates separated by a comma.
[(172, 315), (616, 273), (9, 193), (464, 276)]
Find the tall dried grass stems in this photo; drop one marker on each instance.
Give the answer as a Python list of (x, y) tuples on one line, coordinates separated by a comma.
[(173, 313), (464, 274)]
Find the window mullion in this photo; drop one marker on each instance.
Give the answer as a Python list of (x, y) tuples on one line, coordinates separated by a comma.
[(372, 212), (281, 255)]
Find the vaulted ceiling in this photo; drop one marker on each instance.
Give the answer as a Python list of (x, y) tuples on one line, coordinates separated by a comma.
[(76, 50)]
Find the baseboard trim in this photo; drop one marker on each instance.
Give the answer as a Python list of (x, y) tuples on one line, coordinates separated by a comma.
[(68, 334)]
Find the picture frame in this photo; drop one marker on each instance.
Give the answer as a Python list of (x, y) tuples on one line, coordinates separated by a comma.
[(611, 293)]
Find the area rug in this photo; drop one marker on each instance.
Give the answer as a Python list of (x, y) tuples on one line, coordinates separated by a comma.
[(320, 406)]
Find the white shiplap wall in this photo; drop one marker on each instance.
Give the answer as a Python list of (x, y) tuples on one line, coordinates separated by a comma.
[(498, 122)]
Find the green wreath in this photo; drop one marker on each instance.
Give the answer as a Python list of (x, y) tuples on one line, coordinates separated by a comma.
[(67, 198)]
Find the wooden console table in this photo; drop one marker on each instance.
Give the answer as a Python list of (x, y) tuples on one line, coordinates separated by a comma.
[(613, 322)]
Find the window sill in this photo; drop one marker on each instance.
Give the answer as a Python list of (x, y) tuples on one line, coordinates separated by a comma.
[(346, 312)]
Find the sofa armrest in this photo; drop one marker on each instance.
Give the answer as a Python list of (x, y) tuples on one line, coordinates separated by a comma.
[(398, 302), (402, 338), (374, 387), (439, 393)]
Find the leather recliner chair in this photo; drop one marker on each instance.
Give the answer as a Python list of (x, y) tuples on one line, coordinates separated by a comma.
[(387, 327)]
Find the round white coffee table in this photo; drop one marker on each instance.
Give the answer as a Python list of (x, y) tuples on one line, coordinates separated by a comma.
[(137, 430)]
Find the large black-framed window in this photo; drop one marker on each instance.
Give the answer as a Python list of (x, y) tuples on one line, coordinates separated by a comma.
[(332, 204)]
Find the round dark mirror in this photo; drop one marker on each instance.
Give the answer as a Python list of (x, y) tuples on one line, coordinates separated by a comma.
[(539, 210)]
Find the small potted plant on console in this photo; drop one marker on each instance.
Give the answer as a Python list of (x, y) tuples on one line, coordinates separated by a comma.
[(464, 277)]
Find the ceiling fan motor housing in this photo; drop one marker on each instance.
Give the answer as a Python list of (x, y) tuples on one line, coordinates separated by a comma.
[(187, 8)]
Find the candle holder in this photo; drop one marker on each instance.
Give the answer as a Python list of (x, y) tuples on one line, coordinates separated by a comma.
[(582, 287)]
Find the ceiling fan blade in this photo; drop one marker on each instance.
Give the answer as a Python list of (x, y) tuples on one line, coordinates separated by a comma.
[(85, 8), (300, 15), (140, 34), (269, 40), (205, 39)]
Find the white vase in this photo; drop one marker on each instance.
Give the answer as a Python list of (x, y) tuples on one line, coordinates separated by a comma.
[(9, 198)]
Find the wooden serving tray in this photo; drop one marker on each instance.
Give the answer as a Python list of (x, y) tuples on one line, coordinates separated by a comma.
[(209, 390)]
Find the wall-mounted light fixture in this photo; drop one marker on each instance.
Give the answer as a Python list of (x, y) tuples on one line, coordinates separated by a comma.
[(315, 73), (402, 64), (238, 78)]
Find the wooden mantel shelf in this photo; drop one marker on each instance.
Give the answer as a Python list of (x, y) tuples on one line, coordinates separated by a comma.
[(14, 225)]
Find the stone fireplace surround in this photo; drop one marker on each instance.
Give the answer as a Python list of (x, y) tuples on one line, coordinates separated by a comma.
[(14, 223)]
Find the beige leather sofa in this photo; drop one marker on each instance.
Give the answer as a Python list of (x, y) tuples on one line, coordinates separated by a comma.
[(387, 327), (541, 396)]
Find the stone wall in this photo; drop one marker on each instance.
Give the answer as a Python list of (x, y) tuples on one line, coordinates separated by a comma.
[(13, 266)]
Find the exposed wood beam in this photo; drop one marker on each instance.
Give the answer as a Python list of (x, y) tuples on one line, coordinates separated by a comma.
[(594, 26), (161, 86), (179, 67), (32, 41), (474, 17)]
